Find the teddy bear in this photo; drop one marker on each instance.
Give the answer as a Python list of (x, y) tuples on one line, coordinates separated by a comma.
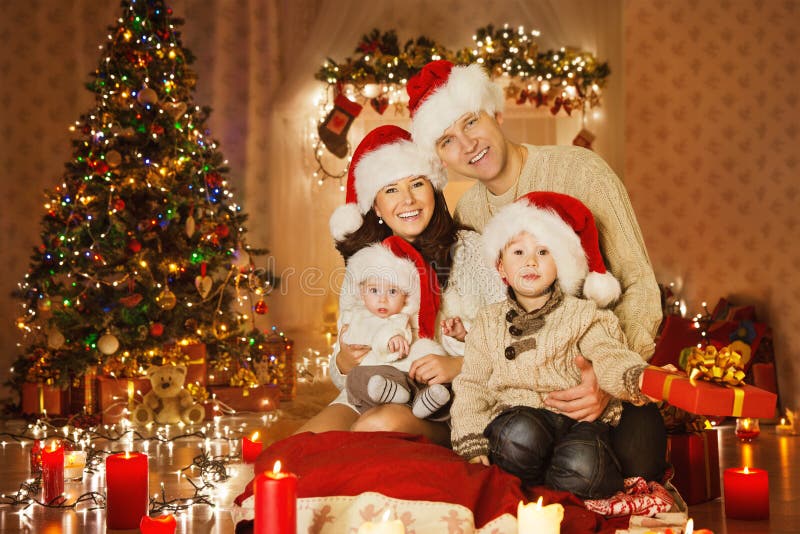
[(168, 402)]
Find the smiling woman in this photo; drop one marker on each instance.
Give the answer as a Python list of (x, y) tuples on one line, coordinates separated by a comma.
[(395, 190)]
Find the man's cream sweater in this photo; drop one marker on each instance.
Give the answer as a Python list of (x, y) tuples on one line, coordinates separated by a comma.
[(489, 382), (584, 175)]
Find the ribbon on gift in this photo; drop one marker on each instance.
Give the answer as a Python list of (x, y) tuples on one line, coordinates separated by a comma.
[(723, 366), (738, 394)]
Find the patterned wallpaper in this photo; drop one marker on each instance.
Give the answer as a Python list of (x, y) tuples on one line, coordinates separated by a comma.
[(711, 161)]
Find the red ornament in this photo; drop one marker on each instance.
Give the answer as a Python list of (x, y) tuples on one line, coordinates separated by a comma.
[(379, 104), (261, 307), (134, 245), (119, 204), (131, 300), (156, 329), (222, 230), (157, 129), (213, 179), (99, 166), (164, 524)]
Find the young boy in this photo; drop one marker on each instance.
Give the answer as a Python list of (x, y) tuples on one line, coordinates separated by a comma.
[(388, 308), (546, 249)]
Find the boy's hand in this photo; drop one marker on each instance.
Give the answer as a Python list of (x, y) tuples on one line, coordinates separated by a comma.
[(482, 459), (398, 344), (435, 369), (453, 327)]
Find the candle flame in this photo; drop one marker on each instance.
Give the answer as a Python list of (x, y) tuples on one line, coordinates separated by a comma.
[(127, 454), (255, 436), (689, 527), (386, 514), (277, 467), (746, 470), (539, 503), (53, 446)]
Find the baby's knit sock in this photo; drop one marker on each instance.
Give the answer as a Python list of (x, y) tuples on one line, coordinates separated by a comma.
[(429, 400), (382, 390)]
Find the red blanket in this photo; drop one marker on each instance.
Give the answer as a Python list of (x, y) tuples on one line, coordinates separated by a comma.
[(409, 467)]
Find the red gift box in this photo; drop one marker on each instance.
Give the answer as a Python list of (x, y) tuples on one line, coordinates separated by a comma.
[(695, 458), (705, 398), (263, 398), (196, 369), (115, 395), (38, 397)]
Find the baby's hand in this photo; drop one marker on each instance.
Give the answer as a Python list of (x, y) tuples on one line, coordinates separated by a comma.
[(482, 459), (399, 344), (454, 328)]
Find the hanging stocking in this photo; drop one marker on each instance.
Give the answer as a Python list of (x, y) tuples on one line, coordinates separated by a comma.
[(333, 131)]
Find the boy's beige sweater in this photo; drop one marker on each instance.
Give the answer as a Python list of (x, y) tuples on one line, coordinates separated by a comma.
[(584, 175), (489, 382)]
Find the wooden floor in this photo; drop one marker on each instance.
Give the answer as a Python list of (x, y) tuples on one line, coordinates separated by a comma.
[(780, 455)]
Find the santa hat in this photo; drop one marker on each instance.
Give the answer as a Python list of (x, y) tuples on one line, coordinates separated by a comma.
[(384, 156), (397, 262), (566, 227), (442, 92)]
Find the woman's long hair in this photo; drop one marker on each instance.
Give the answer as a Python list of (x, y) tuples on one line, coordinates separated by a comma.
[(435, 243)]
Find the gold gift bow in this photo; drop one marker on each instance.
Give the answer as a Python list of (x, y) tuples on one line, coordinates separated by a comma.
[(723, 366)]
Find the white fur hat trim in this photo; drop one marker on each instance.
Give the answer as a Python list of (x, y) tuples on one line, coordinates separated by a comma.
[(390, 163), (550, 230), (468, 89)]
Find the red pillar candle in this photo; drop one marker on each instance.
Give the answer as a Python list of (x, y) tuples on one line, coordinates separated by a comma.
[(53, 471), (746, 493), (126, 489), (275, 495), (164, 524), (251, 448)]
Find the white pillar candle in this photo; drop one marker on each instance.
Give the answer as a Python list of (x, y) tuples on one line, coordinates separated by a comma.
[(383, 527), (533, 518)]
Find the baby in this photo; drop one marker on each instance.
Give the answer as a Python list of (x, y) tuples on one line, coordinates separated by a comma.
[(385, 307)]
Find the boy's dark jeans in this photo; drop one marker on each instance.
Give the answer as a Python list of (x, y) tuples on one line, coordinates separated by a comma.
[(543, 447)]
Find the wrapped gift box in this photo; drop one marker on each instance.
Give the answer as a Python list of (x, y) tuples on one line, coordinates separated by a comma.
[(115, 395), (706, 398), (695, 458), (38, 397), (263, 398)]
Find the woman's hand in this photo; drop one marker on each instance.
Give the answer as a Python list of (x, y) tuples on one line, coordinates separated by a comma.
[(435, 369), (584, 402), (349, 356)]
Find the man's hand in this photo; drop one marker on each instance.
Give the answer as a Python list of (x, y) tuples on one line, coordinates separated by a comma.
[(482, 459), (435, 369), (399, 344), (584, 402), (349, 355)]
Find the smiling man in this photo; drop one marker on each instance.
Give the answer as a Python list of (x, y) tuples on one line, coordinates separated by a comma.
[(456, 113)]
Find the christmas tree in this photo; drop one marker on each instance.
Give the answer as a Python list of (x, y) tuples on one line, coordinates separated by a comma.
[(143, 249)]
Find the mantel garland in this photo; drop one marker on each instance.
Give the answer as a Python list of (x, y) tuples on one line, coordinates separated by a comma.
[(567, 79)]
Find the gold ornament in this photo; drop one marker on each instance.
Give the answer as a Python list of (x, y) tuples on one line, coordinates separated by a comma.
[(190, 226), (108, 344), (147, 96), (113, 158), (55, 339), (166, 300)]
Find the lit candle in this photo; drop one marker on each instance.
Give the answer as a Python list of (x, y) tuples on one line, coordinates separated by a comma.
[(537, 519), (385, 526), (251, 448), (53, 471), (747, 429), (689, 529), (126, 489), (164, 524), (74, 462), (787, 426), (746, 493), (275, 495)]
